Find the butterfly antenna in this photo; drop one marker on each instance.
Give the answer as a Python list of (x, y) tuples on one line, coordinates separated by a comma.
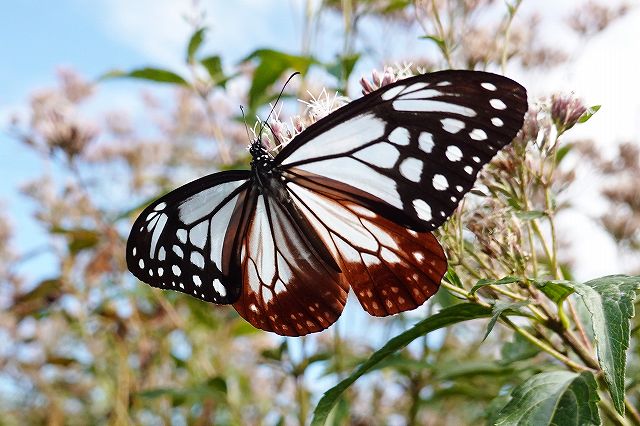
[(276, 103), (245, 123)]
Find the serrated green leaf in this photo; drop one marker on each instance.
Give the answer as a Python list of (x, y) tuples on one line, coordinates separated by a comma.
[(271, 65), (486, 281), (194, 43), (556, 290), (589, 113), (499, 308), (610, 302), (452, 315), (495, 406), (157, 75), (553, 398)]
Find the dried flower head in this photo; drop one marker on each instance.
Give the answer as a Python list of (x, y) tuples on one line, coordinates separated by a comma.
[(68, 134), (594, 17), (566, 110)]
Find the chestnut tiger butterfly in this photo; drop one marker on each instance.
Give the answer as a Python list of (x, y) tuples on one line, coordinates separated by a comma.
[(348, 203)]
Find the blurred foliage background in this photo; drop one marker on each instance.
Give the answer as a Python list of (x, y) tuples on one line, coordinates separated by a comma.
[(91, 345)]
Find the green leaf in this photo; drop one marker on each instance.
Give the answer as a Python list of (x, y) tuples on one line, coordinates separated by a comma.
[(530, 215), (452, 278), (157, 75), (194, 43), (499, 308), (610, 303), (461, 369), (495, 406), (452, 315), (556, 290), (437, 40), (342, 68), (271, 65), (589, 113), (517, 350), (78, 239), (553, 398), (562, 152), (485, 282), (213, 65), (215, 387)]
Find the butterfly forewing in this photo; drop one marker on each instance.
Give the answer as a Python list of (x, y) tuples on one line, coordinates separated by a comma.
[(416, 146), (177, 242)]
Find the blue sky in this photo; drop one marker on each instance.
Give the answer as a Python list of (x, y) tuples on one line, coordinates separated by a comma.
[(95, 36)]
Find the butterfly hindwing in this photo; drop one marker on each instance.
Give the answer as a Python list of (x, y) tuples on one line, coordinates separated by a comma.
[(414, 147), (177, 242), (288, 287), (390, 268)]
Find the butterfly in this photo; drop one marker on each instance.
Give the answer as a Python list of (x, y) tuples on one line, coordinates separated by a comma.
[(349, 203)]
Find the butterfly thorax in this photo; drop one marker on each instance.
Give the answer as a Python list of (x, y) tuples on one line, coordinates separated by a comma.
[(261, 160)]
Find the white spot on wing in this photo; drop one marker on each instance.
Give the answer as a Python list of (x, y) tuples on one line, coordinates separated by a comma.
[(219, 288), (197, 281), (417, 105), (381, 154), (468, 169), (392, 93), (411, 168), (476, 159), (416, 86), (444, 83), (342, 138), (162, 254), (497, 104), (422, 209), (219, 225), (453, 153), (178, 251), (197, 259), (157, 231), (452, 125), (359, 175), (182, 235), (422, 94), (176, 270), (198, 206), (489, 86), (141, 263), (478, 135), (160, 206), (134, 251), (400, 136), (198, 234), (440, 182), (497, 122), (425, 141)]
